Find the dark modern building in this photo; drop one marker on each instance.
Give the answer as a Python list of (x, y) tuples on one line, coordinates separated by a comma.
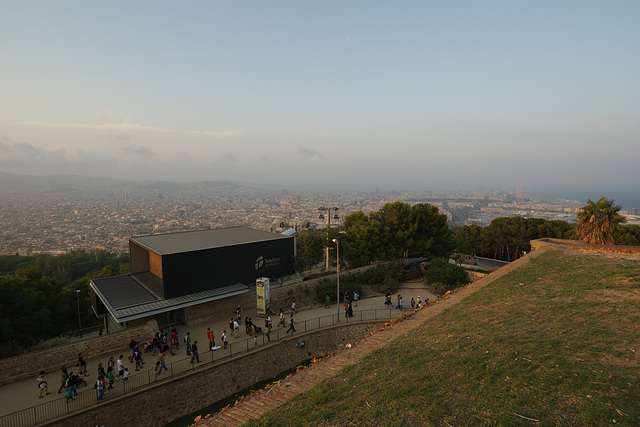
[(172, 272)]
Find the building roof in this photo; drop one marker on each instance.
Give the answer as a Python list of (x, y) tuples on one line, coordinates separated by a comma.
[(189, 241), (127, 298)]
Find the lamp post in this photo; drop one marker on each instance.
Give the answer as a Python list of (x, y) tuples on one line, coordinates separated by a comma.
[(328, 210), (78, 299), (337, 275)]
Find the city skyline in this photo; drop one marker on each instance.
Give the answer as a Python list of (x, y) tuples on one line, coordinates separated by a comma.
[(422, 95)]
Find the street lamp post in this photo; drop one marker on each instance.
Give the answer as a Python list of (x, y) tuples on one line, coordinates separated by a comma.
[(328, 210), (337, 275), (78, 299)]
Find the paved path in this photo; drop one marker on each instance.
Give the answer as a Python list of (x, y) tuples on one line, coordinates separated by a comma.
[(271, 398), (24, 394)]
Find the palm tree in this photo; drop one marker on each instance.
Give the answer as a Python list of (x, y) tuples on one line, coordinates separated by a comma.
[(597, 221)]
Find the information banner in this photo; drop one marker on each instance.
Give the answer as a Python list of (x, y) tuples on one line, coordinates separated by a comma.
[(262, 295)]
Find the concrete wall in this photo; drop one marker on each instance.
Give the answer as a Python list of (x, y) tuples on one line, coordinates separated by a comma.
[(53, 359), (163, 402)]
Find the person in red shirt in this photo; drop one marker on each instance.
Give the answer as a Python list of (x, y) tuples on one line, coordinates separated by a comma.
[(210, 338)]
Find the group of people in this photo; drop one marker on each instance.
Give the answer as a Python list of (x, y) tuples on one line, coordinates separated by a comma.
[(70, 381), (168, 342)]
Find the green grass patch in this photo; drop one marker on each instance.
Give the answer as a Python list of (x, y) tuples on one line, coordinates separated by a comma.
[(555, 341)]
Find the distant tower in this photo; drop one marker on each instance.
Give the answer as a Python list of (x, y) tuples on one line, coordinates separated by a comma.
[(634, 211), (519, 192)]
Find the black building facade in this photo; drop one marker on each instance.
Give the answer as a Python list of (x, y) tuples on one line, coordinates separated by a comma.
[(177, 270)]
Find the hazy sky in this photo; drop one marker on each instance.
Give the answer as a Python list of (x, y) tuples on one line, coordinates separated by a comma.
[(416, 93)]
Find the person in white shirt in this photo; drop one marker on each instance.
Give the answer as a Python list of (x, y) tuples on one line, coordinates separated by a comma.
[(120, 365)]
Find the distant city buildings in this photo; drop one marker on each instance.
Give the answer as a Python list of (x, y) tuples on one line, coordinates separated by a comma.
[(66, 220)]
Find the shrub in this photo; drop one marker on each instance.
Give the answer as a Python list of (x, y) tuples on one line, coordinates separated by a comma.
[(442, 276)]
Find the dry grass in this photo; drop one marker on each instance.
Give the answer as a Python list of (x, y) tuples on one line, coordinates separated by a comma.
[(555, 340)]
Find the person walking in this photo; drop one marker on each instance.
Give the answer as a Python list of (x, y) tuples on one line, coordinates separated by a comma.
[(157, 369), (111, 377), (43, 386), (64, 376), (291, 322), (327, 301), (194, 352), (224, 339), (281, 315), (161, 362), (100, 388), (132, 346), (210, 338), (155, 345), (138, 358), (355, 298), (120, 365), (239, 314), (82, 364), (293, 307), (187, 341), (236, 329), (69, 387)]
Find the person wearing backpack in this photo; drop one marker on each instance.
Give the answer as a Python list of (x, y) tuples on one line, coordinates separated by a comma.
[(194, 352)]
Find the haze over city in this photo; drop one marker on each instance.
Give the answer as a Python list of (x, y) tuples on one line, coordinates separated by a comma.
[(342, 94)]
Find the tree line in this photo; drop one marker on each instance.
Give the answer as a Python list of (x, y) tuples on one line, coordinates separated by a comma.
[(39, 298), (402, 230), (39, 291)]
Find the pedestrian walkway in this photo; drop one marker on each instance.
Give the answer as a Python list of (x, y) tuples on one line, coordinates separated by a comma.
[(24, 394)]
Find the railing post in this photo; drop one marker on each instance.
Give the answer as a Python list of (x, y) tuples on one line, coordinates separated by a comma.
[(171, 364)]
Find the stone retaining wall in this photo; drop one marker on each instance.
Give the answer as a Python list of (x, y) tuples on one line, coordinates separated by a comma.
[(163, 402), (578, 245), (51, 360)]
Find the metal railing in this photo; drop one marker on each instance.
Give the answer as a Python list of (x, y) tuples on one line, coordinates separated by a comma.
[(60, 406)]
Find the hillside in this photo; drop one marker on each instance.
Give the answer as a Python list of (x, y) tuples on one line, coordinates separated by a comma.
[(553, 342)]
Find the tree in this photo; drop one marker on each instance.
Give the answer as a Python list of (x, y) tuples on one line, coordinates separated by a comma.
[(508, 237), (432, 236), (597, 222), (365, 239), (468, 239), (628, 235), (397, 218), (310, 246)]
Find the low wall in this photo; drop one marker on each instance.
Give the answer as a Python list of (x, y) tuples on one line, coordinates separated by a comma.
[(578, 245), (52, 359), (163, 402)]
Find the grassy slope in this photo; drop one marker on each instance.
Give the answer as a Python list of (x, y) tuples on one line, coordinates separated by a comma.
[(560, 348)]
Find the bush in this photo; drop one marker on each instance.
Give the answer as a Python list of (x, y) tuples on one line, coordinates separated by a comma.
[(442, 276)]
